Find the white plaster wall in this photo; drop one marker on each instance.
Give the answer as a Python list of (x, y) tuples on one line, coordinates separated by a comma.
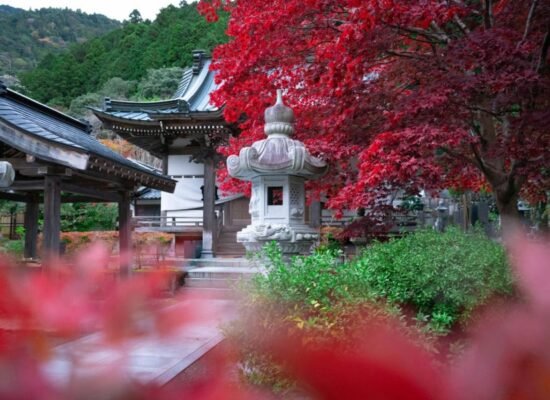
[(188, 189), (182, 165)]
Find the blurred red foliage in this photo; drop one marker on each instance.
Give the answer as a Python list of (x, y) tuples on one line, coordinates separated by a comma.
[(507, 357)]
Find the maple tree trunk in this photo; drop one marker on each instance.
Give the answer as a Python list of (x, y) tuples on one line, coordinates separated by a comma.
[(507, 204)]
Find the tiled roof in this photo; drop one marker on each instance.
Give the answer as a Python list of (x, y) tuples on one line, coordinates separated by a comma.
[(148, 194), (192, 97), (43, 122)]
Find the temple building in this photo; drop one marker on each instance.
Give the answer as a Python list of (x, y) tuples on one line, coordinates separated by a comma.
[(49, 157), (184, 132)]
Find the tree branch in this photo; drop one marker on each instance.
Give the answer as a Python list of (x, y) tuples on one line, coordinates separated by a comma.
[(460, 156), (529, 19), (461, 3), (433, 36), (461, 24), (441, 32), (480, 164), (416, 39), (405, 55), (488, 13), (515, 166), (544, 51), (476, 108)]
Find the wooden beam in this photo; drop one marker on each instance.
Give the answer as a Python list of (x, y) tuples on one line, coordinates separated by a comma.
[(83, 199), (45, 170), (99, 193), (102, 177), (42, 148), (52, 217), (125, 233), (21, 163), (13, 197), (209, 204), (31, 226), (35, 184)]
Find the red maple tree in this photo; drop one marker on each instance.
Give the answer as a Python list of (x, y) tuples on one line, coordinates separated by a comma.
[(410, 94)]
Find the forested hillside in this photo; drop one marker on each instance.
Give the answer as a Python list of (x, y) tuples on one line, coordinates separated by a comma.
[(27, 36), (127, 53)]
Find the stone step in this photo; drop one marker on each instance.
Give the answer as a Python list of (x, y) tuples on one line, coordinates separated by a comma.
[(233, 249), (222, 293), (191, 263), (222, 272), (196, 283), (228, 254), (219, 277)]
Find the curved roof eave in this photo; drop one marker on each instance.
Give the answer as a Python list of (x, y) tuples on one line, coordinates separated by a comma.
[(31, 123)]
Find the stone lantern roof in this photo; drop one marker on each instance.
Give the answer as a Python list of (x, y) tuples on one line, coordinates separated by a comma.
[(278, 154)]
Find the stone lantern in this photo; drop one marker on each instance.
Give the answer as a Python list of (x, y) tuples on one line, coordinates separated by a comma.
[(277, 167)]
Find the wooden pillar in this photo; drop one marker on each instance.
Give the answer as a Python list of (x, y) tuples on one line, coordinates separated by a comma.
[(165, 163), (52, 216), (315, 214), (31, 226), (125, 233), (209, 203)]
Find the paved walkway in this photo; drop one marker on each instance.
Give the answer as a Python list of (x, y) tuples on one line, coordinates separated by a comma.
[(148, 360)]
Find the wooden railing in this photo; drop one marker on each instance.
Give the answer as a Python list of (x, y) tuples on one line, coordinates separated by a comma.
[(158, 221), (166, 222)]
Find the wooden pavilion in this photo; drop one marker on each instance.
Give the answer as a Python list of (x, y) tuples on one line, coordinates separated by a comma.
[(56, 160)]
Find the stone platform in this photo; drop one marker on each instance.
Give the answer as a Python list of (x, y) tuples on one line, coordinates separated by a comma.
[(191, 263), (219, 277), (220, 273), (145, 359)]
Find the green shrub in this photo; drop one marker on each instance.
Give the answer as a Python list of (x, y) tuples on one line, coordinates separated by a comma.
[(14, 247), (318, 297), (444, 276), (441, 276)]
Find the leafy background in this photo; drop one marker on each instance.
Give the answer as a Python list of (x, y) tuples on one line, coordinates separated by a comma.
[(27, 36)]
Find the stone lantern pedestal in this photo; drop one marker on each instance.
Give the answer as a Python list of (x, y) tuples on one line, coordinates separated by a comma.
[(277, 167)]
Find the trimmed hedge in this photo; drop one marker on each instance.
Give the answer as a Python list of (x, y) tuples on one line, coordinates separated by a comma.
[(443, 276)]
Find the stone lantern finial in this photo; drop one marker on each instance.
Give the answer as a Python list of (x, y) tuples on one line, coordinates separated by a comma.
[(279, 119)]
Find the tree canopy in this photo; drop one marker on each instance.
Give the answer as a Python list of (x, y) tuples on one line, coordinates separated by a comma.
[(27, 36), (127, 53), (398, 94)]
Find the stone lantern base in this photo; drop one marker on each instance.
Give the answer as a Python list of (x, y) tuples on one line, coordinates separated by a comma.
[(291, 239)]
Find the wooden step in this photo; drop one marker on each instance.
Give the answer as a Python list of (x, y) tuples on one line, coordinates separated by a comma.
[(227, 245)]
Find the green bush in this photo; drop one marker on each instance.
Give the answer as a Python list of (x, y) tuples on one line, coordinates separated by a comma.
[(86, 217), (444, 276), (13, 247), (318, 297)]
